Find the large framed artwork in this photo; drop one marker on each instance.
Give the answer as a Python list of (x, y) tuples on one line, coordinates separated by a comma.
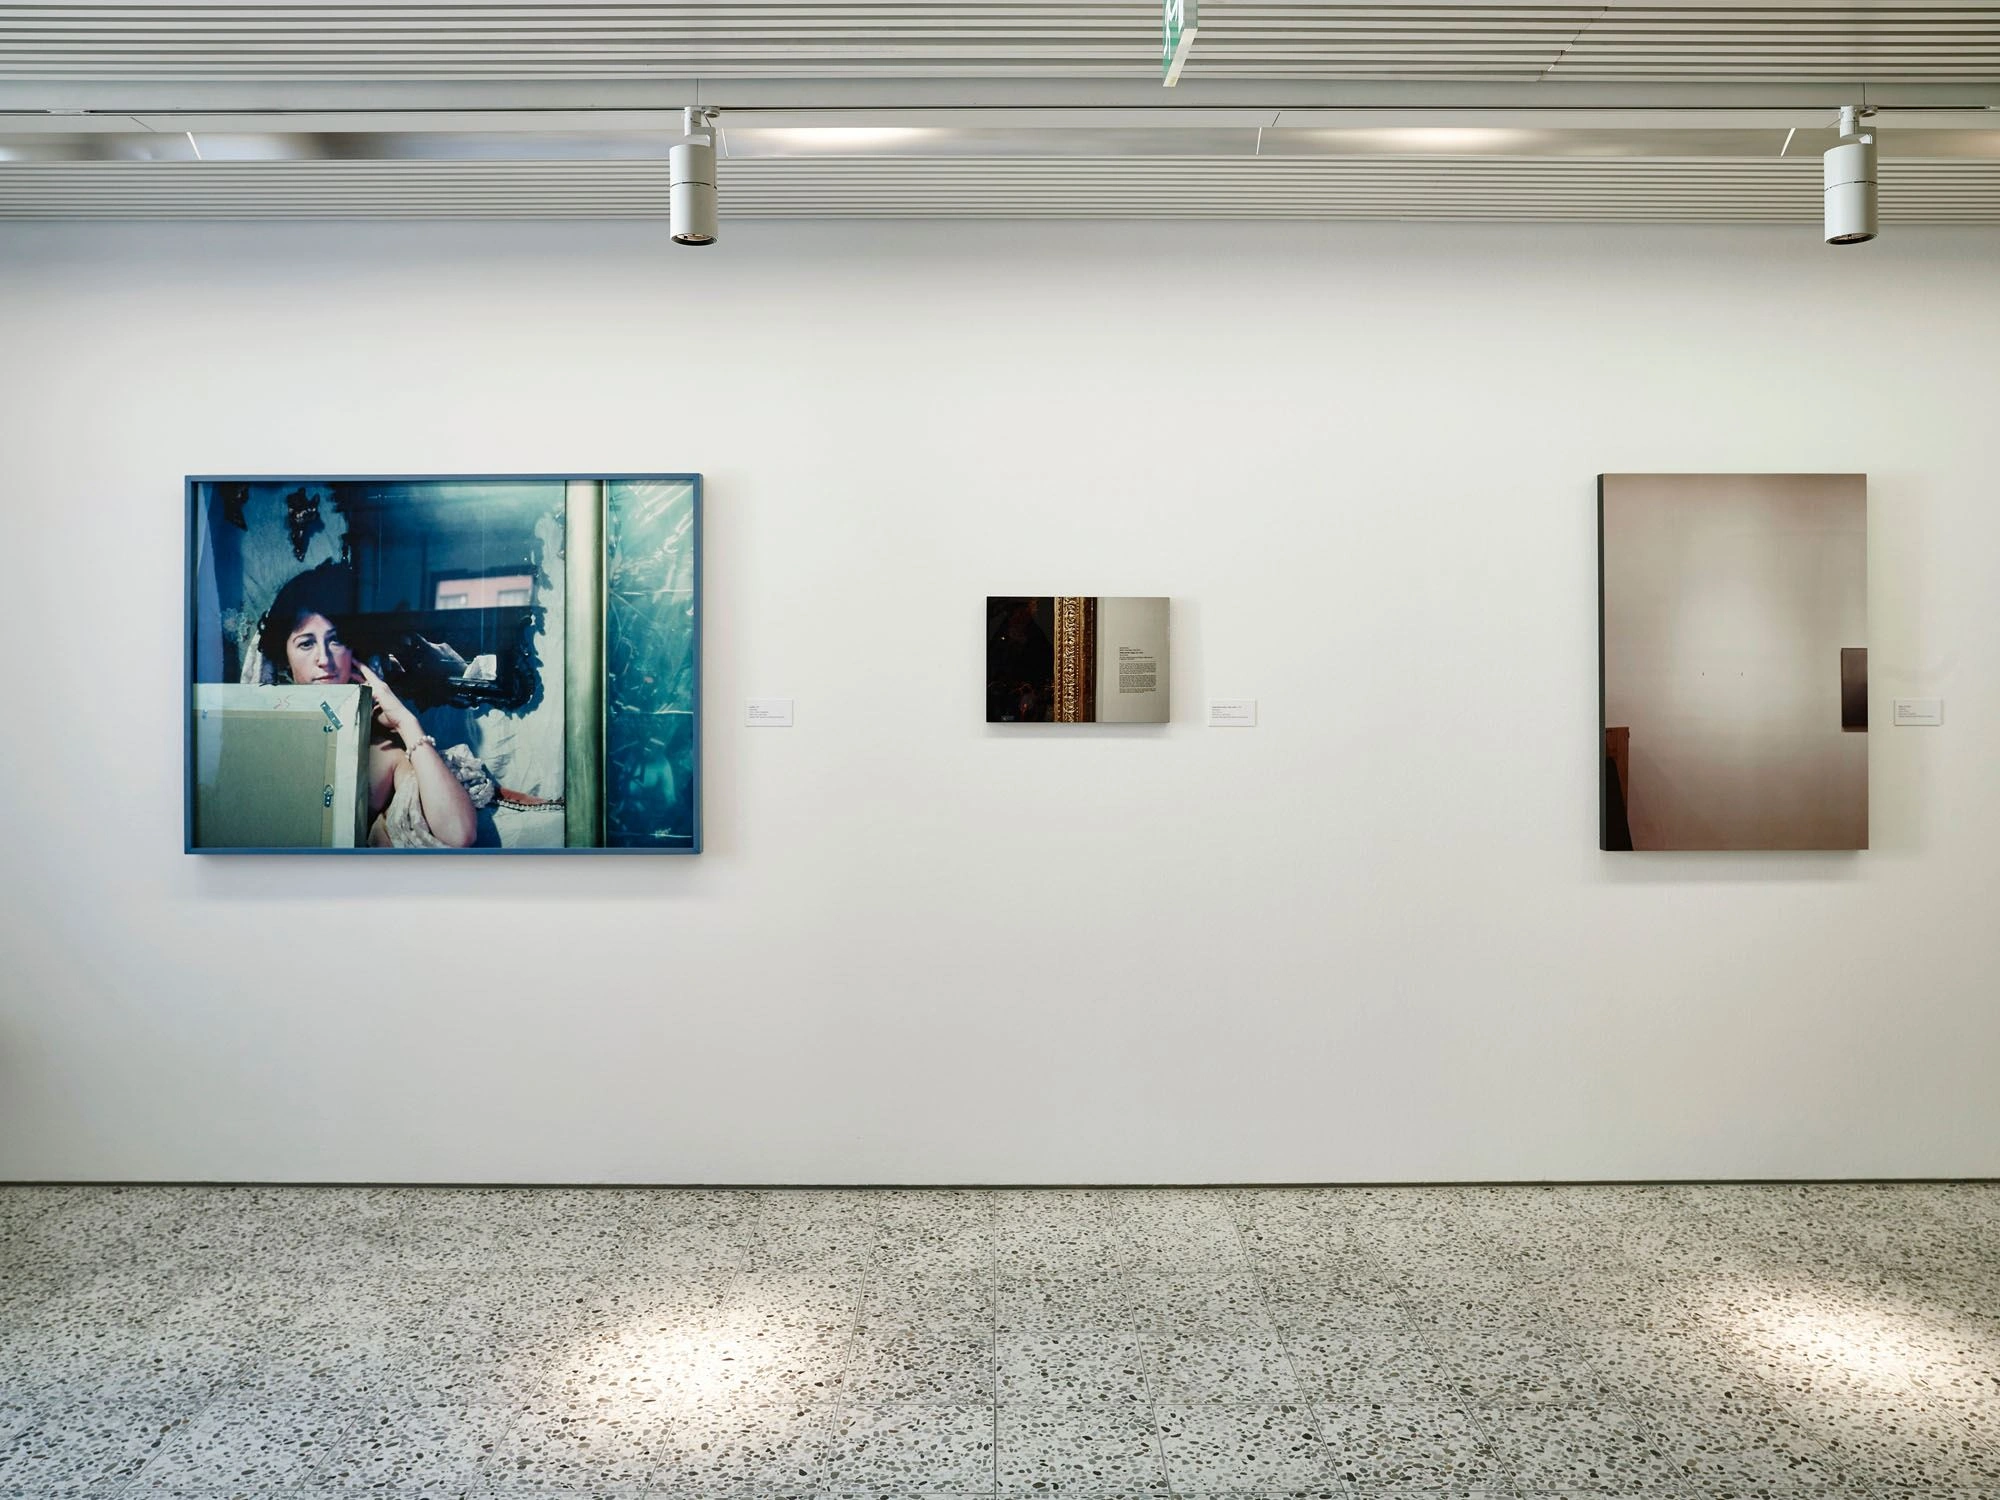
[(1733, 661), (476, 663), (1076, 659)]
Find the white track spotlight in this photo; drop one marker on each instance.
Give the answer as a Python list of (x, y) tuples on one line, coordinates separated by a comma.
[(691, 172), (1850, 183)]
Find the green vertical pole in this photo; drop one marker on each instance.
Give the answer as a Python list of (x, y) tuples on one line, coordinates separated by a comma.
[(583, 664)]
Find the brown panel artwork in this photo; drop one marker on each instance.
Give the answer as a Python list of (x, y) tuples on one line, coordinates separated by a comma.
[(1734, 709)]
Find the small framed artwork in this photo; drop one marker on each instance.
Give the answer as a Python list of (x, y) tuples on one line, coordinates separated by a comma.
[(444, 664), (1076, 659)]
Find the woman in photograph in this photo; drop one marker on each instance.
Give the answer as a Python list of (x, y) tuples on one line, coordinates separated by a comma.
[(416, 798)]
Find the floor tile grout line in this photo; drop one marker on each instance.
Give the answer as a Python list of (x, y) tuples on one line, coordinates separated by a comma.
[(1328, 1464), (130, 1483), (1558, 1338), (1128, 1273), (1476, 1414), (1406, 1293), (992, 1278)]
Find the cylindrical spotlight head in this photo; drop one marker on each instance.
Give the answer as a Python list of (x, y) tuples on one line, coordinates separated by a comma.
[(1850, 191), (691, 172)]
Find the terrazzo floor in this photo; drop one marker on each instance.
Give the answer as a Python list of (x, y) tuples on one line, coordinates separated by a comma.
[(1837, 1343)]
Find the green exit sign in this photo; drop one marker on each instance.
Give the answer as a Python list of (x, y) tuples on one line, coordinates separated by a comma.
[(1182, 19)]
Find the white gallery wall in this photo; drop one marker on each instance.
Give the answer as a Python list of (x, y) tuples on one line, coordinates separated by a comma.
[(1370, 939)]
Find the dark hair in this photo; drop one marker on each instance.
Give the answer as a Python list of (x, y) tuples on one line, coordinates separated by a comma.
[(325, 590)]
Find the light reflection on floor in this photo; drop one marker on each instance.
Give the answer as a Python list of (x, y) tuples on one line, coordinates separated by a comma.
[(1887, 1346)]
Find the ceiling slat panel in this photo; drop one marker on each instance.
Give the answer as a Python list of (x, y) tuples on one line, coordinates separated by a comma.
[(990, 39), (414, 44)]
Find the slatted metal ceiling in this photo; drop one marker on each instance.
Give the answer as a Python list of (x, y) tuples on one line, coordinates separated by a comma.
[(1457, 188), (793, 39), (415, 44)]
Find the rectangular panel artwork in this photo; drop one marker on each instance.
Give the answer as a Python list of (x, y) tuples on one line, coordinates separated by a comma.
[(444, 664), (1733, 646), (1076, 659)]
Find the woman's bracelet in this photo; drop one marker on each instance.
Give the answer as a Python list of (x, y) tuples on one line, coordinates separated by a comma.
[(411, 748)]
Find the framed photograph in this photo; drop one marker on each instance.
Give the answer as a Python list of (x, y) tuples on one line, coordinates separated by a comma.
[(1076, 659), (1733, 651), (430, 664)]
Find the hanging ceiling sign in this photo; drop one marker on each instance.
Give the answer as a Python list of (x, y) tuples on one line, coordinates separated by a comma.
[(1180, 21)]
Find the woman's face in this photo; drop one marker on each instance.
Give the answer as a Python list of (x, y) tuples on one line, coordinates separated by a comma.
[(315, 652)]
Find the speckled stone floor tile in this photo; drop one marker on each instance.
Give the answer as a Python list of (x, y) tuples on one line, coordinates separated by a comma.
[(916, 1451), (1362, 1371), (962, 1250), (1549, 1447), (1652, 1369), (1413, 1446), (1304, 1214), (1317, 1256), (1062, 1365), (1292, 1269), (751, 1450), (1175, 1231), (1218, 1449), (573, 1446), (87, 1445), (1920, 1451), (796, 1301), (1044, 1231), (1102, 1302), (574, 1229), (811, 1247), (135, 1326), (780, 1350), (1791, 1341), (428, 1450), (31, 1399), (1202, 1305), (14, 1420), (96, 1226), (243, 1442), (1345, 1309), (945, 1232), (1744, 1459), (1488, 1367), (825, 1232), (889, 1368), (1189, 1370), (491, 1342), (926, 1304), (1081, 1448)]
